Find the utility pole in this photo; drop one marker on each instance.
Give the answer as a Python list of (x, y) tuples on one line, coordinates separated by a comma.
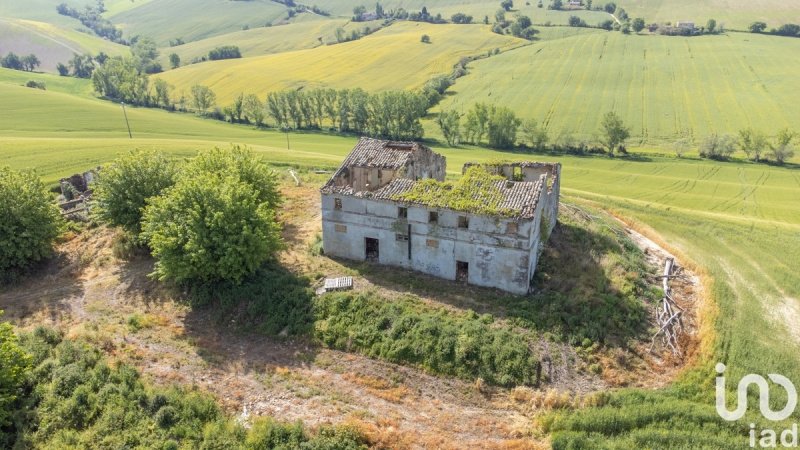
[(126, 120), (286, 130)]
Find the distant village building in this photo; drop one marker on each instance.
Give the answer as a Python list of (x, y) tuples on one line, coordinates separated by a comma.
[(685, 25), (382, 205)]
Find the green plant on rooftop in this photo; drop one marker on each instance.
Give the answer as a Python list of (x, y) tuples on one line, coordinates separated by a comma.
[(476, 192)]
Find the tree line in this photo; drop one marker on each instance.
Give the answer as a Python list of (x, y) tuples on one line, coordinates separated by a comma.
[(499, 127), (787, 29), (91, 17), (755, 144), (27, 63)]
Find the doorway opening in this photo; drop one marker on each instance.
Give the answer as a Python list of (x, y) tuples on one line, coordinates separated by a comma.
[(462, 271), (372, 246)]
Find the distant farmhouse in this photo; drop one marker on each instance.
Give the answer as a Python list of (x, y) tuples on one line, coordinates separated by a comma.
[(388, 203)]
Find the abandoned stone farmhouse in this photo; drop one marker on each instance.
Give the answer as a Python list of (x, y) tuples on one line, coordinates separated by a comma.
[(389, 203)]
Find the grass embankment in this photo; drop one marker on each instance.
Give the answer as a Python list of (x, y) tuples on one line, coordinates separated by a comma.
[(750, 326)]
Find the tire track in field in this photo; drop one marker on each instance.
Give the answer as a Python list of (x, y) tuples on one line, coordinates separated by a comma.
[(697, 76), (42, 35), (552, 110), (587, 46), (729, 91)]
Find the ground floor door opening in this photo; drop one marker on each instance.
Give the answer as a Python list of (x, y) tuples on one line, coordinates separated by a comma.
[(371, 246), (462, 271)]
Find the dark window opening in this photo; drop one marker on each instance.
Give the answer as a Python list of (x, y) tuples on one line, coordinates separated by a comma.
[(402, 212), (462, 271), (372, 249), (433, 217), (337, 203), (463, 222)]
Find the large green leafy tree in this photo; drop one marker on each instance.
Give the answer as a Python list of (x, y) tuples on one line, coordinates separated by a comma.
[(218, 222), (13, 364), (614, 132), (125, 185), (29, 220)]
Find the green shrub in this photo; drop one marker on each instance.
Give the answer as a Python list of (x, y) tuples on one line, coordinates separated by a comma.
[(267, 433), (241, 163), (14, 364), (218, 222), (272, 301), (210, 230), (29, 220), (407, 331), (124, 187), (73, 399)]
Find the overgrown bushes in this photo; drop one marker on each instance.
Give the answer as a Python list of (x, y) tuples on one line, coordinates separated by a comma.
[(407, 331), (215, 221), (30, 221), (125, 186), (14, 363), (73, 398), (218, 222)]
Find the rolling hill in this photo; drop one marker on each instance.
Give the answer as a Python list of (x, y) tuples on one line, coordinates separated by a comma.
[(663, 87), (51, 44), (392, 58), (192, 20), (267, 40)]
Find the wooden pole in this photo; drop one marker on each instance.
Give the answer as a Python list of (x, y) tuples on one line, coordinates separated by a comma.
[(126, 120)]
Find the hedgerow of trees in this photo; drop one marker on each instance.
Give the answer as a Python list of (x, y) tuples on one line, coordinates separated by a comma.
[(27, 63), (92, 18), (30, 221), (756, 145), (224, 52), (390, 114), (788, 29)]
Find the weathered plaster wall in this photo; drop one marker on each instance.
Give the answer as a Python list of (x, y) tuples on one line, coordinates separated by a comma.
[(426, 164), (496, 258)]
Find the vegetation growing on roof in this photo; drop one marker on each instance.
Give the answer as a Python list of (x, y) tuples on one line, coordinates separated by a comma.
[(476, 192)]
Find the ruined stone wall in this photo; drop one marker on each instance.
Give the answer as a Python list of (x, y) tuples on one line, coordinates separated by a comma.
[(370, 178), (549, 173), (426, 164), (498, 256)]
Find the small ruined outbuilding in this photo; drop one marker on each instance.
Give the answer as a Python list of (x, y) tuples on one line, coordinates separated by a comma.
[(76, 191), (389, 203)]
